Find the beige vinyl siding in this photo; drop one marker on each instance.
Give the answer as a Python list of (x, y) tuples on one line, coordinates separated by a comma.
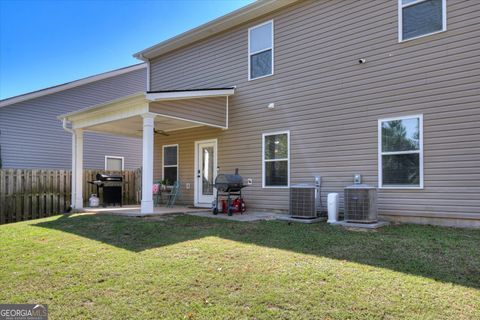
[(331, 104), (206, 110), (186, 156)]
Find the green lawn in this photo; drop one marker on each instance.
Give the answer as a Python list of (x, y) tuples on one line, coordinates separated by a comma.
[(108, 267)]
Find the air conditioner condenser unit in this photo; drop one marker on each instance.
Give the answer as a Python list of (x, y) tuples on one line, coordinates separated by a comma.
[(305, 200), (361, 204)]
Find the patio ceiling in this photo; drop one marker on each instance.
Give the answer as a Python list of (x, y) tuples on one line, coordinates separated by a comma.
[(133, 126), (172, 110)]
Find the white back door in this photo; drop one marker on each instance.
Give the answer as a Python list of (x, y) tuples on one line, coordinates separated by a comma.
[(205, 172)]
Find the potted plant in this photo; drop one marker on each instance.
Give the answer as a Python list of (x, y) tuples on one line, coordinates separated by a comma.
[(165, 184)]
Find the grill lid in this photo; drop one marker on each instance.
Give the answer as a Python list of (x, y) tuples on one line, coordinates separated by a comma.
[(109, 177), (229, 179), (229, 182)]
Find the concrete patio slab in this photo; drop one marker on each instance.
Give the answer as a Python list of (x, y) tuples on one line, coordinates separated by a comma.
[(134, 211)]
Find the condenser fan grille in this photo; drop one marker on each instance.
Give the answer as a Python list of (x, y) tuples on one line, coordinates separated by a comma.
[(361, 204), (303, 202)]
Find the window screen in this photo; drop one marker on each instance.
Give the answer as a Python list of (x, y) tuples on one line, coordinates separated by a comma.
[(421, 17), (170, 175), (276, 151), (401, 152), (170, 164)]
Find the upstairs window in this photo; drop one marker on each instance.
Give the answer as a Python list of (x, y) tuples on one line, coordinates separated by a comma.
[(419, 18), (401, 152), (170, 164), (260, 50)]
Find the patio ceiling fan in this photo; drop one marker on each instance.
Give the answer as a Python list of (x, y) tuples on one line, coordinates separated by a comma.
[(157, 131)]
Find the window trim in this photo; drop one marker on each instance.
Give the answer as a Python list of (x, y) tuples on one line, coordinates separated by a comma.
[(419, 151), (249, 54), (400, 20), (169, 166), (115, 157), (287, 132)]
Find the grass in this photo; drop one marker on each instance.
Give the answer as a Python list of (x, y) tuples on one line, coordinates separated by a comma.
[(105, 267)]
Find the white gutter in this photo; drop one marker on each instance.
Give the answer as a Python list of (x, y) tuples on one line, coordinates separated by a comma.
[(140, 56), (189, 94), (101, 107)]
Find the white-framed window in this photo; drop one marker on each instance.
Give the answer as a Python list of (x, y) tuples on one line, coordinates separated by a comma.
[(400, 152), (260, 50), (114, 163), (418, 18), (170, 164), (276, 159)]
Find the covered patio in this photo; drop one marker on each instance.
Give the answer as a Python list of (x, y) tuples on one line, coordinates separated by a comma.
[(143, 115)]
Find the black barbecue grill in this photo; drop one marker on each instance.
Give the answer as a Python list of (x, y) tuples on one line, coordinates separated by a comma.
[(112, 187), (229, 186), (229, 183)]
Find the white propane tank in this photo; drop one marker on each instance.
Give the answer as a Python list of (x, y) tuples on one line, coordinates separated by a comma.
[(93, 201), (333, 202)]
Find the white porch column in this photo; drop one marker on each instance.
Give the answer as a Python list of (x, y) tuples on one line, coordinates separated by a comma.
[(77, 175), (147, 168)]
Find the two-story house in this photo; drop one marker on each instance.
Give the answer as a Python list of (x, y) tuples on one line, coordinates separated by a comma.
[(288, 90)]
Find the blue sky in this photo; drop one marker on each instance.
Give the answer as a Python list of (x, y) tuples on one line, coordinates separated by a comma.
[(45, 43)]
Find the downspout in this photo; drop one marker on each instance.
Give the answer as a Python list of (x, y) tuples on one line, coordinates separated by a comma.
[(226, 113), (67, 128), (147, 61), (148, 75), (73, 192)]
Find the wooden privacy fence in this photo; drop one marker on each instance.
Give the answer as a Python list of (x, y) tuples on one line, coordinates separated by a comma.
[(27, 194)]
